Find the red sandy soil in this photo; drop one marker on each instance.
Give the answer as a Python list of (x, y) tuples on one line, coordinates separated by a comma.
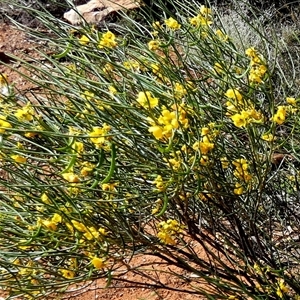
[(16, 43)]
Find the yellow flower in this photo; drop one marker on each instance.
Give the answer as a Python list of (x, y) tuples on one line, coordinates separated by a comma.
[(172, 24), (99, 136), (175, 163), (261, 69), (231, 108), (166, 238), (218, 68), (204, 160), (67, 273), (254, 77), (91, 234), (257, 269), (78, 147), (87, 169), (256, 61), (157, 131), (167, 230), (108, 68), (98, 263), (269, 137), (280, 115), (169, 119), (108, 40), (25, 113), (102, 232), (160, 185), (4, 124), (222, 36), (87, 95), (241, 163), (224, 162), (19, 159), (254, 115), (30, 134), (146, 100), (234, 94), (56, 218), (153, 45), (110, 187), (50, 225), (171, 225), (157, 207), (205, 10), (71, 177), (205, 131), (112, 90), (132, 65), (45, 198), (239, 190), (200, 20), (282, 288), (84, 40), (156, 25), (256, 73), (79, 226), (291, 101), (204, 146), (239, 120), (179, 90), (241, 171), (251, 52)]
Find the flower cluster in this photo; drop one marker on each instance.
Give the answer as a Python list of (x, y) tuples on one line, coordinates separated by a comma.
[(52, 223), (146, 100), (204, 18), (206, 144), (25, 113), (280, 115), (241, 173), (168, 231), (280, 286), (108, 40), (172, 24), (241, 111), (4, 124), (168, 122), (257, 67), (100, 137)]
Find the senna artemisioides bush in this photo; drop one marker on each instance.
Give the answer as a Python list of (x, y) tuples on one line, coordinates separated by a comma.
[(168, 137)]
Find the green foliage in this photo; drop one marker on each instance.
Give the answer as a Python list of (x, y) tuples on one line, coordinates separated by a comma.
[(169, 139)]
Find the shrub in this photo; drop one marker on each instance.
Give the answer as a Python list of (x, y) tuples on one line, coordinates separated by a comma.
[(162, 139)]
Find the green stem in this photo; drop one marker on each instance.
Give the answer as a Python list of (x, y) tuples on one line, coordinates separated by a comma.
[(99, 164), (165, 206), (112, 164), (64, 53), (70, 164)]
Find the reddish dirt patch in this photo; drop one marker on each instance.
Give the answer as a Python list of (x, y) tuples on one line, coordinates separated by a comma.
[(121, 290), (15, 43)]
